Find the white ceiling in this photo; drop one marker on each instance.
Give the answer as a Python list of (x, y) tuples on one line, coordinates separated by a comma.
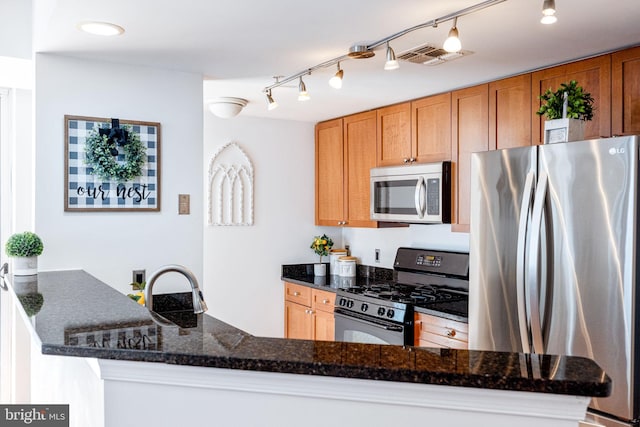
[(239, 45)]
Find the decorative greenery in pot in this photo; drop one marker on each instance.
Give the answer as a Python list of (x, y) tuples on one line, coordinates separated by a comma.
[(24, 248), (321, 246), (579, 103)]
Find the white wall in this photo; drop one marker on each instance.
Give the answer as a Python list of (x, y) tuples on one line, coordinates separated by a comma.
[(110, 245), (242, 264), (15, 30), (363, 242)]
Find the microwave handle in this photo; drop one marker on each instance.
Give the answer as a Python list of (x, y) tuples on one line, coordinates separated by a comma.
[(420, 197)]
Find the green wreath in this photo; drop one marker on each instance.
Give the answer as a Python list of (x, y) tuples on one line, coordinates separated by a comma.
[(99, 156)]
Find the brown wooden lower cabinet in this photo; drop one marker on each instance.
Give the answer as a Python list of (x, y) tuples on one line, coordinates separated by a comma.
[(308, 313), (433, 331)]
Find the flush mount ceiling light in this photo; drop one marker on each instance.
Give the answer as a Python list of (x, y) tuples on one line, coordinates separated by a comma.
[(336, 81), (100, 28), (303, 95), (227, 107), (549, 12), (392, 62), (452, 43), (362, 51)]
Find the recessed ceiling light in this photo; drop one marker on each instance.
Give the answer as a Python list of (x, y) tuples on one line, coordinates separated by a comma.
[(101, 28)]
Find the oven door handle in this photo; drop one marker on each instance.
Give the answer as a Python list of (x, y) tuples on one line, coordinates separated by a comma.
[(367, 320)]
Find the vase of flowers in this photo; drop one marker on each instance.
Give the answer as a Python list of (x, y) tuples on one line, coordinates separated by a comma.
[(24, 248), (567, 109), (321, 246)]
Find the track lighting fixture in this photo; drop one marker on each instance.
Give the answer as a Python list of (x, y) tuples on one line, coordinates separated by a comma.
[(271, 103), (548, 12), (363, 51), (303, 95), (392, 62), (452, 43), (336, 81)]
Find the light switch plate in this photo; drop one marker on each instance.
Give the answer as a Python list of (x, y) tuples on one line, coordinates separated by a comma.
[(184, 203)]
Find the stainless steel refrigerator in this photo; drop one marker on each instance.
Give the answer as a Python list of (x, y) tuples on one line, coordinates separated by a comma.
[(554, 256)]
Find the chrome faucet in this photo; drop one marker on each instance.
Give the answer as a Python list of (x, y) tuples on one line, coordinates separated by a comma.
[(199, 306)]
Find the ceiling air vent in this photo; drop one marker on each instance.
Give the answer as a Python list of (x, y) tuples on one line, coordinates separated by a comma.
[(428, 54)]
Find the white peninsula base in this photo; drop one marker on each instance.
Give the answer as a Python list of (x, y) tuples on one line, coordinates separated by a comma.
[(111, 393)]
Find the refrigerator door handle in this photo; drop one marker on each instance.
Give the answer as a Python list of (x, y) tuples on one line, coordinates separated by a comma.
[(521, 254), (420, 198), (533, 278)]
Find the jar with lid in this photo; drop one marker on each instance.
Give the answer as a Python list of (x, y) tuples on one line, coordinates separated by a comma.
[(347, 266), (334, 255)]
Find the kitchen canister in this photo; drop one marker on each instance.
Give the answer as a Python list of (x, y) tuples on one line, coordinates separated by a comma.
[(347, 266), (334, 254)]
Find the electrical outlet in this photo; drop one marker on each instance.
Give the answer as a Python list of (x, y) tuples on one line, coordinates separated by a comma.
[(377, 256), (139, 276), (184, 204)]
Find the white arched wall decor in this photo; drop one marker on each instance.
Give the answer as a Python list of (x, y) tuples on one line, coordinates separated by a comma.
[(230, 188)]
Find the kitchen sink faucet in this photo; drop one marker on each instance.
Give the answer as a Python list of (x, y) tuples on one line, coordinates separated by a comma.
[(199, 306)]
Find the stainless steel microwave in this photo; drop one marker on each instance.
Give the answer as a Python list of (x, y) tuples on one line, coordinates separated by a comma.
[(416, 194)]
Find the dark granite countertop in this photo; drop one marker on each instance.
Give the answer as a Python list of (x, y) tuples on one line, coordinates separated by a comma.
[(75, 314), (302, 274)]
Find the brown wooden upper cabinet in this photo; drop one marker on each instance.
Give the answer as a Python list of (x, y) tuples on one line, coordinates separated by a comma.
[(625, 92), (594, 75), (345, 152), (510, 112), (394, 135), (431, 128), (415, 132), (330, 177), (469, 133)]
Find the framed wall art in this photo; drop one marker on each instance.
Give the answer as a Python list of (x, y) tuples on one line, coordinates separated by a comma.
[(111, 165)]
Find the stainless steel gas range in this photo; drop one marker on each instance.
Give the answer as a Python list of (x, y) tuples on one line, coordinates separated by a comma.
[(381, 312)]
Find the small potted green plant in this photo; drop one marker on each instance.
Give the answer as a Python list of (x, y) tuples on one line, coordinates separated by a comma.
[(566, 111), (24, 248), (321, 246)]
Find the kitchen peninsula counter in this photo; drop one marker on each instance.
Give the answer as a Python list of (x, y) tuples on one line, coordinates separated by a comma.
[(71, 313)]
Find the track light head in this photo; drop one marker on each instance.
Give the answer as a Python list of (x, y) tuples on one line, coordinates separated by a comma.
[(452, 44), (336, 81), (303, 95), (271, 103), (548, 12), (392, 62)]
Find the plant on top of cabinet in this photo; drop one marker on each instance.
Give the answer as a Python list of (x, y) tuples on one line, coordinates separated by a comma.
[(579, 104), (566, 110)]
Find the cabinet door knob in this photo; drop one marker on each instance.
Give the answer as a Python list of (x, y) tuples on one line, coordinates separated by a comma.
[(405, 160), (296, 294), (325, 301), (451, 333), (413, 159)]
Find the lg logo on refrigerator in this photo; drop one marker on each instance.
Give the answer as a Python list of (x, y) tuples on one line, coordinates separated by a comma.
[(613, 151)]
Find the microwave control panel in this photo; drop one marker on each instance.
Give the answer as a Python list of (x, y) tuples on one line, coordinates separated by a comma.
[(433, 196)]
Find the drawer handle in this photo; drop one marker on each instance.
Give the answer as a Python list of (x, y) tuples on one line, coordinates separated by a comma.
[(296, 294), (451, 333)]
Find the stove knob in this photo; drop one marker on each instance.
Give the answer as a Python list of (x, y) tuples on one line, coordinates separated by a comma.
[(364, 307), (342, 302), (381, 311), (390, 313), (350, 303)]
